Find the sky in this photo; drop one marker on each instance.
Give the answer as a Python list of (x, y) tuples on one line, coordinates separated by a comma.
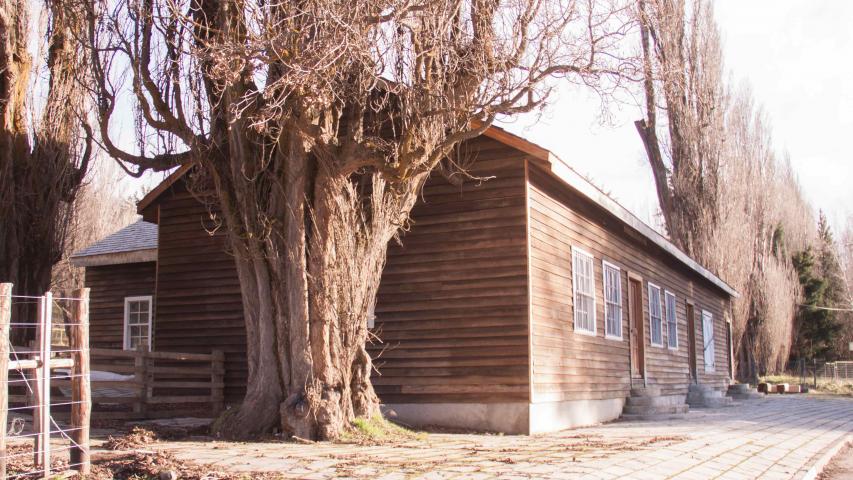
[(793, 54), (796, 57)]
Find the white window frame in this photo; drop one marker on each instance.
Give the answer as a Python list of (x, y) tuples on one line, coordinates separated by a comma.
[(604, 266), (371, 316), (575, 252), (708, 347), (670, 334), (127, 300), (651, 287)]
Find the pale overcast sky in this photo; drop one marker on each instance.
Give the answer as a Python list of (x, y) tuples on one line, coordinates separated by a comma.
[(794, 54)]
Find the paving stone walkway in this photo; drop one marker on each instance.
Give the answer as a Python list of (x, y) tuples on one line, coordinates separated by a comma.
[(774, 438)]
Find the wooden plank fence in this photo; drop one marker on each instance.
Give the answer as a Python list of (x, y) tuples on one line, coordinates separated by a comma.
[(64, 386), (149, 385)]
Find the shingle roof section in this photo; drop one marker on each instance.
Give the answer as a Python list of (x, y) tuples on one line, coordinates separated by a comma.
[(141, 235)]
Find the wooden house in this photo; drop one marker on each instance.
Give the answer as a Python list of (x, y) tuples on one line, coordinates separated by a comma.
[(526, 303)]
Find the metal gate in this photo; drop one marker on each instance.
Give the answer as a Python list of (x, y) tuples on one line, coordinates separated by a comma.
[(54, 354)]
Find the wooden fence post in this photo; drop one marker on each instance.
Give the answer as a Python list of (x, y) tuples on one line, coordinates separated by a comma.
[(38, 387), (81, 386), (5, 319), (217, 380), (140, 373)]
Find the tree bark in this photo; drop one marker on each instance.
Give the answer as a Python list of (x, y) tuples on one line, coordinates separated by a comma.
[(40, 177)]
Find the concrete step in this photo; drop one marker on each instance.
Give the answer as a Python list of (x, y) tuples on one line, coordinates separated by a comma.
[(639, 401), (740, 388), (649, 391), (746, 396), (701, 391), (670, 413), (654, 409), (743, 391), (712, 402), (648, 401)]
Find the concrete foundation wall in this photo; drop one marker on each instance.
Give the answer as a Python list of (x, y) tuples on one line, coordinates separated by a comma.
[(554, 416), (510, 418)]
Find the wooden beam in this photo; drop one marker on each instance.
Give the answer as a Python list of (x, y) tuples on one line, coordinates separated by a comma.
[(140, 372), (5, 319), (81, 387), (217, 382)]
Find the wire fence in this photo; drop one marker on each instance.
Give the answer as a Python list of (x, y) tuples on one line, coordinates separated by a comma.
[(815, 371), (43, 344)]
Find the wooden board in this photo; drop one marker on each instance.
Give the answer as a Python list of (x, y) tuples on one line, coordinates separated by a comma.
[(109, 285)]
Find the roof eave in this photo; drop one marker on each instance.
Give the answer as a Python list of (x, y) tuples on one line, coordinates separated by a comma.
[(115, 258), (574, 180)]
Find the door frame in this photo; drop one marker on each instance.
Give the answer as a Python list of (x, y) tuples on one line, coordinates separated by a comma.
[(636, 330), (692, 363)]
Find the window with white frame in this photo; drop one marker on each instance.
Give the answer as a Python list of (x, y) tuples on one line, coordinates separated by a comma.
[(671, 320), (708, 341), (612, 301), (583, 287), (137, 322), (655, 316)]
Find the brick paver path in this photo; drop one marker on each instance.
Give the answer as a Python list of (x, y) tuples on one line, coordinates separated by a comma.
[(774, 438)]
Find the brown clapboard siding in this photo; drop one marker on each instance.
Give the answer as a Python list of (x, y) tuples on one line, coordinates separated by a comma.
[(573, 366), (109, 285), (452, 315), (199, 305)]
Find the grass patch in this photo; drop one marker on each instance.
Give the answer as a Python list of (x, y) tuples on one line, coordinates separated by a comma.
[(823, 386), (378, 430)]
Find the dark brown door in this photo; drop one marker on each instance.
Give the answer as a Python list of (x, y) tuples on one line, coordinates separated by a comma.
[(638, 354), (691, 341)]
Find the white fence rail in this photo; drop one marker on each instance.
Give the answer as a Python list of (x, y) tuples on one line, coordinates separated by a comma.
[(28, 427)]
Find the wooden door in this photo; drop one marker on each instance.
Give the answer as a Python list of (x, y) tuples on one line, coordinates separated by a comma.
[(638, 354), (691, 341)]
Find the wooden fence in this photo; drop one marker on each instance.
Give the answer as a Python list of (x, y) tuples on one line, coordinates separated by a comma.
[(139, 385), (38, 367), (135, 385), (61, 387)]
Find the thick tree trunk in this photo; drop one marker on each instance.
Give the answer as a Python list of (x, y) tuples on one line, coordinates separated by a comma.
[(306, 299), (38, 166)]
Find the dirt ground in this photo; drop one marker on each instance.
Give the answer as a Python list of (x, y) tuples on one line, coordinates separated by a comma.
[(841, 466)]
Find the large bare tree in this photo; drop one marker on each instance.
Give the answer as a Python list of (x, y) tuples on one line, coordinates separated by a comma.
[(44, 153), (682, 62), (725, 197), (316, 124)]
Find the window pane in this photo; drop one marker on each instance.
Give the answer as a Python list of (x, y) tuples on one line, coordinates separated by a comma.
[(137, 317), (672, 322), (612, 301), (583, 291)]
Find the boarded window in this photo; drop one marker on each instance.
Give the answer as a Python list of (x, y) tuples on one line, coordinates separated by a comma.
[(655, 316), (612, 301), (137, 323), (671, 321), (583, 286), (708, 340)]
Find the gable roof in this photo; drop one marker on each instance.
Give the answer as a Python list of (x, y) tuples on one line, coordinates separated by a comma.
[(134, 243), (563, 172)]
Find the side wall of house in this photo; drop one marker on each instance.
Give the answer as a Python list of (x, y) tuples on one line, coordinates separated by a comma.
[(109, 285), (199, 305), (452, 311), (575, 367)]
